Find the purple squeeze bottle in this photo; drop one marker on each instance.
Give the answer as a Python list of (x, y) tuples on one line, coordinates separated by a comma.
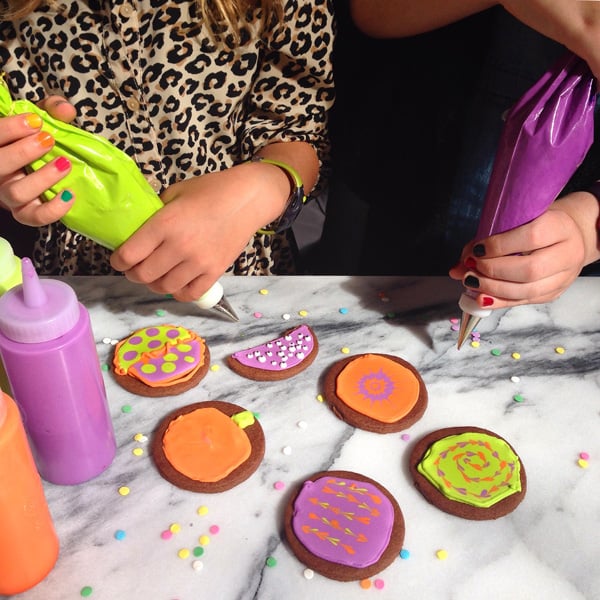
[(48, 350)]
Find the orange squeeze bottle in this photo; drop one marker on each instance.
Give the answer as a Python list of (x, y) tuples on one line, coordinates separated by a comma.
[(28, 542)]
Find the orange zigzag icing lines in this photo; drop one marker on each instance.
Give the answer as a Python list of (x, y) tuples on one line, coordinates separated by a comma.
[(347, 514), (324, 536), (335, 524)]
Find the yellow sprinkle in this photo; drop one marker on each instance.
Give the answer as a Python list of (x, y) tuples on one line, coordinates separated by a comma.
[(124, 490), (204, 540), (516, 355), (345, 350), (302, 313), (175, 528), (138, 451), (442, 554), (559, 350), (263, 292), (320, 397), (214, 367), (475, 344), (140, 437), (183, 553), (202, 510), (583, 463)]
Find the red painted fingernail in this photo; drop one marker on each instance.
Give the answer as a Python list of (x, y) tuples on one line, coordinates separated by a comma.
[(470, 263), (487, 301), (62, 163)]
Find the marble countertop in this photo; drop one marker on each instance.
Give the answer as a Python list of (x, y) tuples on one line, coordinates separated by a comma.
[(546, 549)]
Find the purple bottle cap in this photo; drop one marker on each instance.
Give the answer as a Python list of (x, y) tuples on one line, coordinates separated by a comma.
[(38, 310)]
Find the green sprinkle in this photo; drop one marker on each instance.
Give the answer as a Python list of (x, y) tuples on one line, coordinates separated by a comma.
[(198, 551), (518, 398), (126, 408), (86, 591), (160, 312), (496, 352), (104, 367), (271, 561)]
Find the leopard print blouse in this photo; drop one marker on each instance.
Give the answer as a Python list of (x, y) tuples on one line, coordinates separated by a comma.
[(146, 75)]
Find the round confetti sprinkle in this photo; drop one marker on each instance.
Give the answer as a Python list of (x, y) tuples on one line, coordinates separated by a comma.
[(303, 313), (198, 551), (257, 315), (204, 540), (160, 312), (302, 424), (137, 451), (308, 573), (343, 311), (214, 368), (405, 437), (124, 490), (271, 561), (584, 455), (126, 408), (197, 565), (287, 450), (175, 528), (285, 316), (279, 485), (140, 437), (263, 292), (404, 554), (454, 327), (515, 379), (183, 553), (202, 510), (583, 463), (516, 355), (365, 584), (320, 398), (345, 350), (105, 367), (379, 584), (559, 350), (475, 344), (114, 342), (86, 591), (442, 554), (166, 534), (106, 340), (214, 529), (454, 320), (496, 352), (518, 398), (119, 534)]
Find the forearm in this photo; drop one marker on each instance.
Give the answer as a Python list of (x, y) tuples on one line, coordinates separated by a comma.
[(399, 18), (584, 209)]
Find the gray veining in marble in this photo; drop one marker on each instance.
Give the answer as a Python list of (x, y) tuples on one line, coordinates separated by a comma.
[(547, 549)]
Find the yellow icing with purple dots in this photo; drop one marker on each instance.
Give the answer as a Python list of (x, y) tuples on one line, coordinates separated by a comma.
[(160, 355)]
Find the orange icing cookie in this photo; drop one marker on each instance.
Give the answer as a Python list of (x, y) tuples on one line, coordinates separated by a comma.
[(378, 387), (205, 445)]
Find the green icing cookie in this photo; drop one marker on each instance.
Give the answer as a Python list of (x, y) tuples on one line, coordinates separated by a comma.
[(473, 468)]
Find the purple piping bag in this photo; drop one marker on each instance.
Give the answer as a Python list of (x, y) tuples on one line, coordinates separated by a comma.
[(545, 138)]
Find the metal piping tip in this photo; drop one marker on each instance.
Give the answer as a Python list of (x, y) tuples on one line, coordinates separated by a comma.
[(223, 307), (467, 325)]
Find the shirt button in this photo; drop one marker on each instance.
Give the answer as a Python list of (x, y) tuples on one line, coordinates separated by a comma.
[(155, 184), (132, 104), (126, 10)]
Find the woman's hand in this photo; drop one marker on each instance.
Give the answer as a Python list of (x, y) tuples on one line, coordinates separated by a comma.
[(534, 263), (21, 142)]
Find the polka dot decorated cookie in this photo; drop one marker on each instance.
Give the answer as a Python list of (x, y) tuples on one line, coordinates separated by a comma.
[(161, 360)]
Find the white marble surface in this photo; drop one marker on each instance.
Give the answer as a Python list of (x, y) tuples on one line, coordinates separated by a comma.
[(548, 548)]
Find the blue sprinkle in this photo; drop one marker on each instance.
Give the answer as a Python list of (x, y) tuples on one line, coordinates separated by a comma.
[(119, 534), (404, 553), (344, 311)]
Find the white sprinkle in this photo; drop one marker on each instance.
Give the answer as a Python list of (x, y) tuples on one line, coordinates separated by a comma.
[(197, 565), (106, 340), (308, 573), (302, 424), (287, 450), (515, 379), (285, 316)]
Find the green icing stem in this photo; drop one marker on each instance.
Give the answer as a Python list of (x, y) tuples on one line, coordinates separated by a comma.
[(473, 468)]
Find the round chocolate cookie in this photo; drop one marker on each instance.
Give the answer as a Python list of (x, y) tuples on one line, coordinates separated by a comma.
[(201, 448), (161, 360), (468, 472), (381, 393), (277, 359), (344, 525)]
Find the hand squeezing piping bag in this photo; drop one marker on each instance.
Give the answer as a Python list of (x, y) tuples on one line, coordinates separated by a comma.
[(113, 198), (48, 350), (545, 138)]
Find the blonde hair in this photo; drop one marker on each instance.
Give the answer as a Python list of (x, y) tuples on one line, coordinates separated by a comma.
[(221, 17)]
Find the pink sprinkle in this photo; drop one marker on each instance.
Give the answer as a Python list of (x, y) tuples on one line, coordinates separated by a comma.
[(454, 320), (454, 327), (379, 583), (405, 437), (258, 315), (279, 485), (584, 455), (214, 529), (166, 535)]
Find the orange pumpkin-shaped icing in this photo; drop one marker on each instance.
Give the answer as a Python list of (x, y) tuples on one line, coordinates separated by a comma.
[(378, 387), (205, 445)]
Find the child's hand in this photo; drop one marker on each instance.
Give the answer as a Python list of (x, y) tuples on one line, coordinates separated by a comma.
[(21, 142), (531, 264)]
